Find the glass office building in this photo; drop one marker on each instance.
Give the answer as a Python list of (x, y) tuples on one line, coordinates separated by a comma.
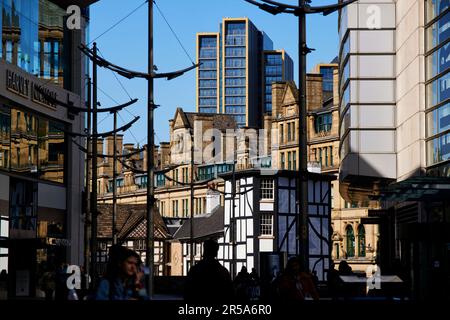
[(278, 66), (232, 78), (438, 86), (208, 72)]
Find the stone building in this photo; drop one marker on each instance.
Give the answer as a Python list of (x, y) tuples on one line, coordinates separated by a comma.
[(352, 240)]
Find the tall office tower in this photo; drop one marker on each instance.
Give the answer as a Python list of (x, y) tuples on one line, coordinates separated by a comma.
[(327, 70), (208, 73), (277, 66), (395, 130), (231, 78)]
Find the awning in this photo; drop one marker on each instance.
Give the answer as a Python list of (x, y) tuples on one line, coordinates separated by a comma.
[(416, 189)]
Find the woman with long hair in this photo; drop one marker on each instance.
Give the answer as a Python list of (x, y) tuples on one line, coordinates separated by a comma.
[(123, 279)]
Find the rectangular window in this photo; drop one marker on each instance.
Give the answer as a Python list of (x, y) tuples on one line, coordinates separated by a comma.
[(266, 225), (282, 161), (175, 208), (266, 189), (175, 177), (289, 161), (326, 157), (294, 160), (331, 157), (185, 204), (320, 156), (163, 208), (289, 132), (281, 133), (439, 149)]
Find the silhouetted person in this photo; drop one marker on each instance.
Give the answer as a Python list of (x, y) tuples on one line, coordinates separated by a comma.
[(345, 269), (346, 290), (334, 283), (208, 281), (47, 283), (296, 284), (61, 276), (242, 284), (255, 287)]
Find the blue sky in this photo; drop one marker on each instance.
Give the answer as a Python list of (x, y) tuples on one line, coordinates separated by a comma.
[(126, 45)]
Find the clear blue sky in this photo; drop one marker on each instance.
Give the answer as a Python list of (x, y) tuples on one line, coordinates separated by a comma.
[(126, 45)]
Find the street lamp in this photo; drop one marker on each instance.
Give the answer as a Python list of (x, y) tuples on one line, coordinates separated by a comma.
[(301, 11)]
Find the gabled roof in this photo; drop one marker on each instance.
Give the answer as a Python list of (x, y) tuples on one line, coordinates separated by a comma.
[(131, 219), (220, 121), (290, 95), (204, 226)]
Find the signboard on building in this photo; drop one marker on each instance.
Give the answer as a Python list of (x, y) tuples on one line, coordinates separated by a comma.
[(26, 88)]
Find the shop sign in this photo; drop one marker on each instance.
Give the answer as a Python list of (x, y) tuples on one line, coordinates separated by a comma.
[(58, 242), (26, 88)]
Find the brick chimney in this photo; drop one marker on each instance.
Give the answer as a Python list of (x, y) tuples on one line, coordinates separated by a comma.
[(314, 93), (165, 153), (277, 97), (99, 150), (212, 201)]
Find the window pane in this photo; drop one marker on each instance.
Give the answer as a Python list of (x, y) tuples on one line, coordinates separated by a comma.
[(438, 32), (439, 120), (439, 149), (438, 90)]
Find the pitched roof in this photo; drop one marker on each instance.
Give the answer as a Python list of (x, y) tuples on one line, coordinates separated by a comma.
[(131, 220), (220, 121), (204, 225)]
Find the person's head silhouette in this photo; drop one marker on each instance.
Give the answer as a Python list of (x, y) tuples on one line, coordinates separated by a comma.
[(210, 249)]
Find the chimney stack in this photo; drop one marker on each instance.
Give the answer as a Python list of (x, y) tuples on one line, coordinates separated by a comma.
[(212, 200)]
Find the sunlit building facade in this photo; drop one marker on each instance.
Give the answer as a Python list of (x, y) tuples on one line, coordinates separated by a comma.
[(236, 70), (41, 172)]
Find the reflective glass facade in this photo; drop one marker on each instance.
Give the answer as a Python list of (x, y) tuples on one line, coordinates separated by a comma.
[(273, 72), (32, 37), (208, 73), (31, 144), (238, 68), (235, 70), (327, 76), (438, 82), (278, 66)]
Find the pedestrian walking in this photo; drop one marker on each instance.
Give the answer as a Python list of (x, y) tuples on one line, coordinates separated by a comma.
[(208, 280)]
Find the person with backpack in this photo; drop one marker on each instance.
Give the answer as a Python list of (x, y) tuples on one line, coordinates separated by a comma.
[(123, 279)]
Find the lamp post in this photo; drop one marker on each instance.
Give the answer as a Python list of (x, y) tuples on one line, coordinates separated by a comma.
[(150, 158), (114, 213), (301, 11), (192, 237), (87, 216), (149, 76), (93, 199)]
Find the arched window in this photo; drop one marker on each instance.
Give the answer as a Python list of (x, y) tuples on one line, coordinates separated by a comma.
[(361, 241), (350, 235)]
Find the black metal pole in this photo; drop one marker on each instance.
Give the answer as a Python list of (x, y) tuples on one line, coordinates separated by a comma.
[(233, 215), (192, 201), (114, 213), (150, 158), (303, 151), (94, 170), (87, 216)]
